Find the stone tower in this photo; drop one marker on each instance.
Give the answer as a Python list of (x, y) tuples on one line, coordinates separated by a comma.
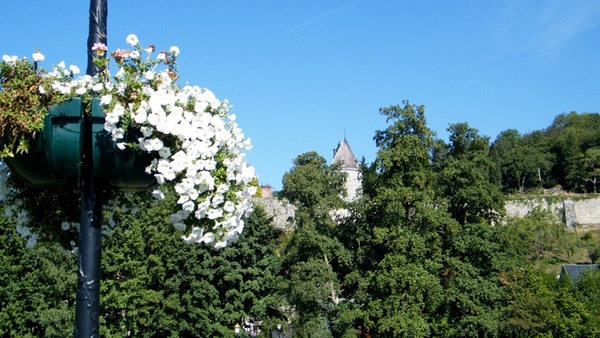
[(343, 155)]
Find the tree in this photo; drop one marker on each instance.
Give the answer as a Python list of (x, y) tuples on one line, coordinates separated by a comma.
[(402, 283), (312, 184), (314, 259), (464, 177), (571, 135), (591, 163), (156, 285), (37, 286), (522, 160), (587, 290), (539, 305)]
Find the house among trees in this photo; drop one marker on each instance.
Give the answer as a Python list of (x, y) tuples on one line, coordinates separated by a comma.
[(349, 165), (573, 272)]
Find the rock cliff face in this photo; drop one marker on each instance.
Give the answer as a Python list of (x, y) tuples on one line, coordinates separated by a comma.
[(574, 211)]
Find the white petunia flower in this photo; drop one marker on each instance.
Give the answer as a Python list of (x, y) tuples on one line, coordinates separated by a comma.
[(97, 87), (140, 115), (201, 209), (74, 69), (214, 213), (111, 118), (160, 179), (65, 226), (149, 75), (134, 54), (180, 226), (132, 40), (220, 244), (217, 200), (229, 207), (207, 238), (147, 131), (9, 59), (38, 56), (118, 134), (158, 194), (188, 206), (105, 99), (164, 152)]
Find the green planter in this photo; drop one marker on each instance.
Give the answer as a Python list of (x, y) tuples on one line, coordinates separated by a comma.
[(54, 160)]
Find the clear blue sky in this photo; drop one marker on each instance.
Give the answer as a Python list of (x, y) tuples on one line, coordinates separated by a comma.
[(300, 73)]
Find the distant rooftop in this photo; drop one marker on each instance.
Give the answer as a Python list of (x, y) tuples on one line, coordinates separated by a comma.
[(344, 155), (575, 271)]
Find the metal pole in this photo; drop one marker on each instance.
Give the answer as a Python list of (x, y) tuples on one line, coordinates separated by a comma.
[(90, 236), (97, 32)]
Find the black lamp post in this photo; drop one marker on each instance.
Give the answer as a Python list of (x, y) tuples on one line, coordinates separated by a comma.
[(90, 237)]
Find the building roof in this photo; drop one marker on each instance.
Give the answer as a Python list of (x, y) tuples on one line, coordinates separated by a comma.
[(575, 271), (344, 155)]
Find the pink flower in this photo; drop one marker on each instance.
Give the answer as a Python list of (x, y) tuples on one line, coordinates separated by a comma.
[(99, 46)]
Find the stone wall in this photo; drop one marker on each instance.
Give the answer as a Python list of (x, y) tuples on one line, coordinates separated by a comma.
[(581, 211), (283, 213)]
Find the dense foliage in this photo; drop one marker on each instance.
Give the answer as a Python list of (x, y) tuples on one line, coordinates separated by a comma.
[(425, 250), (153, 283), (565, 153)]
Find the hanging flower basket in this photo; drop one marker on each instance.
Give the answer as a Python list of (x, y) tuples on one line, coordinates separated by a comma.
[(148, 132), (54, 157)]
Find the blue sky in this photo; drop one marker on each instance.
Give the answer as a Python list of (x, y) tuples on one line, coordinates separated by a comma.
[(301, 74)]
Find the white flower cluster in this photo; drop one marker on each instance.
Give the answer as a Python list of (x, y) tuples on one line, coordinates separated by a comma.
[(198, 146), (204, 133)]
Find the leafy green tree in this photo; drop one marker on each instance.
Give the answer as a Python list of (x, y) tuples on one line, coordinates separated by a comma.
[(311, 183), (571, 135), (314, 259), (539, 305), (587, 291), (403, 160), (402, 284), (537, 144), (464, 177), (37, 287), (591, 164), (156, 285), (523, 161)]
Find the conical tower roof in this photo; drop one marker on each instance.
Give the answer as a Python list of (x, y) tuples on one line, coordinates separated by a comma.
[(344, 155)]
